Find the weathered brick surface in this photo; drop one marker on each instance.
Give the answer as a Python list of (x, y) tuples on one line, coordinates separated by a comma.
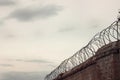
[(105, 65)]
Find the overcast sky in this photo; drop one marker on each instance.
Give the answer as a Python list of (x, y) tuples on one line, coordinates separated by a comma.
[(36, 35)]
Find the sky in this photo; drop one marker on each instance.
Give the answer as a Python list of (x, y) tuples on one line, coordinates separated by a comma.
[(37, 35)]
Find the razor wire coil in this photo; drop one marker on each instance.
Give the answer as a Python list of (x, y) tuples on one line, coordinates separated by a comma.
[(106, 36)]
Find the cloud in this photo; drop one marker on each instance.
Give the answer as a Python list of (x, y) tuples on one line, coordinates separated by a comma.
[(6, 65), (67, 29), (34, 61), (94, 23), (1, 23), (31, 13), (6, 2), (24, 75), (10, 36)]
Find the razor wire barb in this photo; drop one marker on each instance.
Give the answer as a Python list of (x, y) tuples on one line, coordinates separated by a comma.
[(106, 36)]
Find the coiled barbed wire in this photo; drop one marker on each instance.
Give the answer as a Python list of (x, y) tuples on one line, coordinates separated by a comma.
[(106, 36)]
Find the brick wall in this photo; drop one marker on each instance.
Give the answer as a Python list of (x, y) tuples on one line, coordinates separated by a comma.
[(105, 65)]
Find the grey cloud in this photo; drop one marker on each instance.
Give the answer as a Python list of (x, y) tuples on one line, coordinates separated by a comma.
[(34, 61), (6, 2), (6, 65), (24, 75), (94, 23), (31, 13), (67, 29), (52, 65), (9, 36), (1, 22)]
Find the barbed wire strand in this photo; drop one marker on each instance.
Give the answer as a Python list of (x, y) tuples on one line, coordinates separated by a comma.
[(106, 36)]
